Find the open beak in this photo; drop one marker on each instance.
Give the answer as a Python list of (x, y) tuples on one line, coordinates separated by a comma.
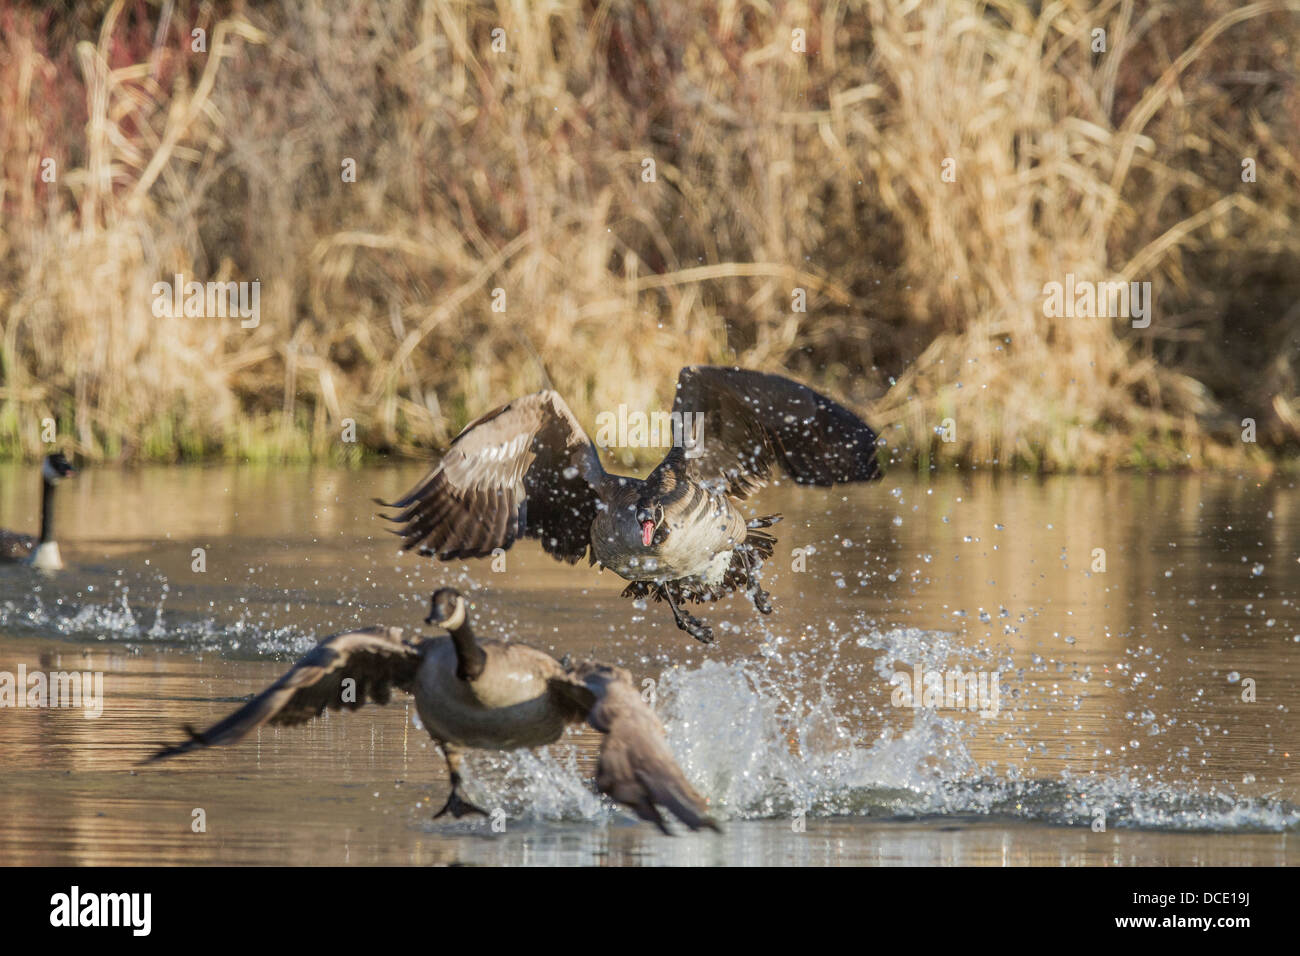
[(647, 532)]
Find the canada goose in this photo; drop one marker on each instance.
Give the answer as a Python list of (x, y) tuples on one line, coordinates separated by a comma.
[(489, 695), (42, 552), (528, 469)]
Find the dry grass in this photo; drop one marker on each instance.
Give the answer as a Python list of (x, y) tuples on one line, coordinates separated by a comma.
[(522, 171)]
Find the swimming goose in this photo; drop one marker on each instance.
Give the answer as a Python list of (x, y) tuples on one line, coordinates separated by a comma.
[(483, 694), (528, 469), (42, 552)]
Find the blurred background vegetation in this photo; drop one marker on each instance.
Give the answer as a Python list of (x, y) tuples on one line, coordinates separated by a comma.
[(775, 169)]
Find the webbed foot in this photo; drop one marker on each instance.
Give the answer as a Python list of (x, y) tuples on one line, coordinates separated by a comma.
[(458, 807)]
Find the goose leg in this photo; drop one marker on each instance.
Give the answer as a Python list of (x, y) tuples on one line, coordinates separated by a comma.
[(456, 805), (688, 622)]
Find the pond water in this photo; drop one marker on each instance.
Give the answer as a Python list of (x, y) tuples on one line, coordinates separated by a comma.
[(1136, 639)]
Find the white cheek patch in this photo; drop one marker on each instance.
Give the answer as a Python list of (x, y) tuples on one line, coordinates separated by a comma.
[(457, 617), (49, 474)]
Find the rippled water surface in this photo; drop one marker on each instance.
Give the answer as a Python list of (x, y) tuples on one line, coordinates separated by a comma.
[(1157, 697)]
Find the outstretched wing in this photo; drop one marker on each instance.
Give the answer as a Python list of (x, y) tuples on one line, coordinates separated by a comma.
[(526, 468), (751, 421), (636, 768), (376, 659)]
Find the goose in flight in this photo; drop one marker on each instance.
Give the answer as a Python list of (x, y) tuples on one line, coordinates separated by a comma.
[(528, 469), (42, 552), (483, 694)]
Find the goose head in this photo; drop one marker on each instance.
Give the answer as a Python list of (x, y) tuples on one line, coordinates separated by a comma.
[(650, 518), (55, 468), (447, 609)]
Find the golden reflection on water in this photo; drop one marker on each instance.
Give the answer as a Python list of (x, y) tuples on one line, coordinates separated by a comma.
[(1198, 595)]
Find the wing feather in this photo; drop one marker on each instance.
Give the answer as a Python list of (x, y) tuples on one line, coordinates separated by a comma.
[(524, 469), (376, 659), (753, 421), (636, 768)]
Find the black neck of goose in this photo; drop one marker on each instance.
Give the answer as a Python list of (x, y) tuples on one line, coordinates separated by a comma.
[(676, 457), (47, 513), (470, 658), (678, 462)]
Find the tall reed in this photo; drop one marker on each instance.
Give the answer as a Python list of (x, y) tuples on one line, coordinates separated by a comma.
[(636, 187)]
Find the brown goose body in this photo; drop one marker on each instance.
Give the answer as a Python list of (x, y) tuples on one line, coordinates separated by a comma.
[(702, 528), (527, 469), (488, 695), (39, 552), (15, 547), (508, 706)]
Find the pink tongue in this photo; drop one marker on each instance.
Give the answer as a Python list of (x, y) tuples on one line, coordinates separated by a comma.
[(647, 532)]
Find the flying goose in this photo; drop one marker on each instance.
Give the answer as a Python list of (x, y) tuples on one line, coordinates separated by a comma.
[(42, 552), (483, 694), (528, 469)]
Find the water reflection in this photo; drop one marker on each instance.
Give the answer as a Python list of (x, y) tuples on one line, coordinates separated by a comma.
[(1122, 689)]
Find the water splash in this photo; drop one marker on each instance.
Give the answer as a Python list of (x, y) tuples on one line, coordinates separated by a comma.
[(771, 738), (117, 620), (786, 732)]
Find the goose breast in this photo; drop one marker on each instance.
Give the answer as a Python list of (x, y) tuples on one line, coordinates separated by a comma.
[(698, 536), (508, 706)]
